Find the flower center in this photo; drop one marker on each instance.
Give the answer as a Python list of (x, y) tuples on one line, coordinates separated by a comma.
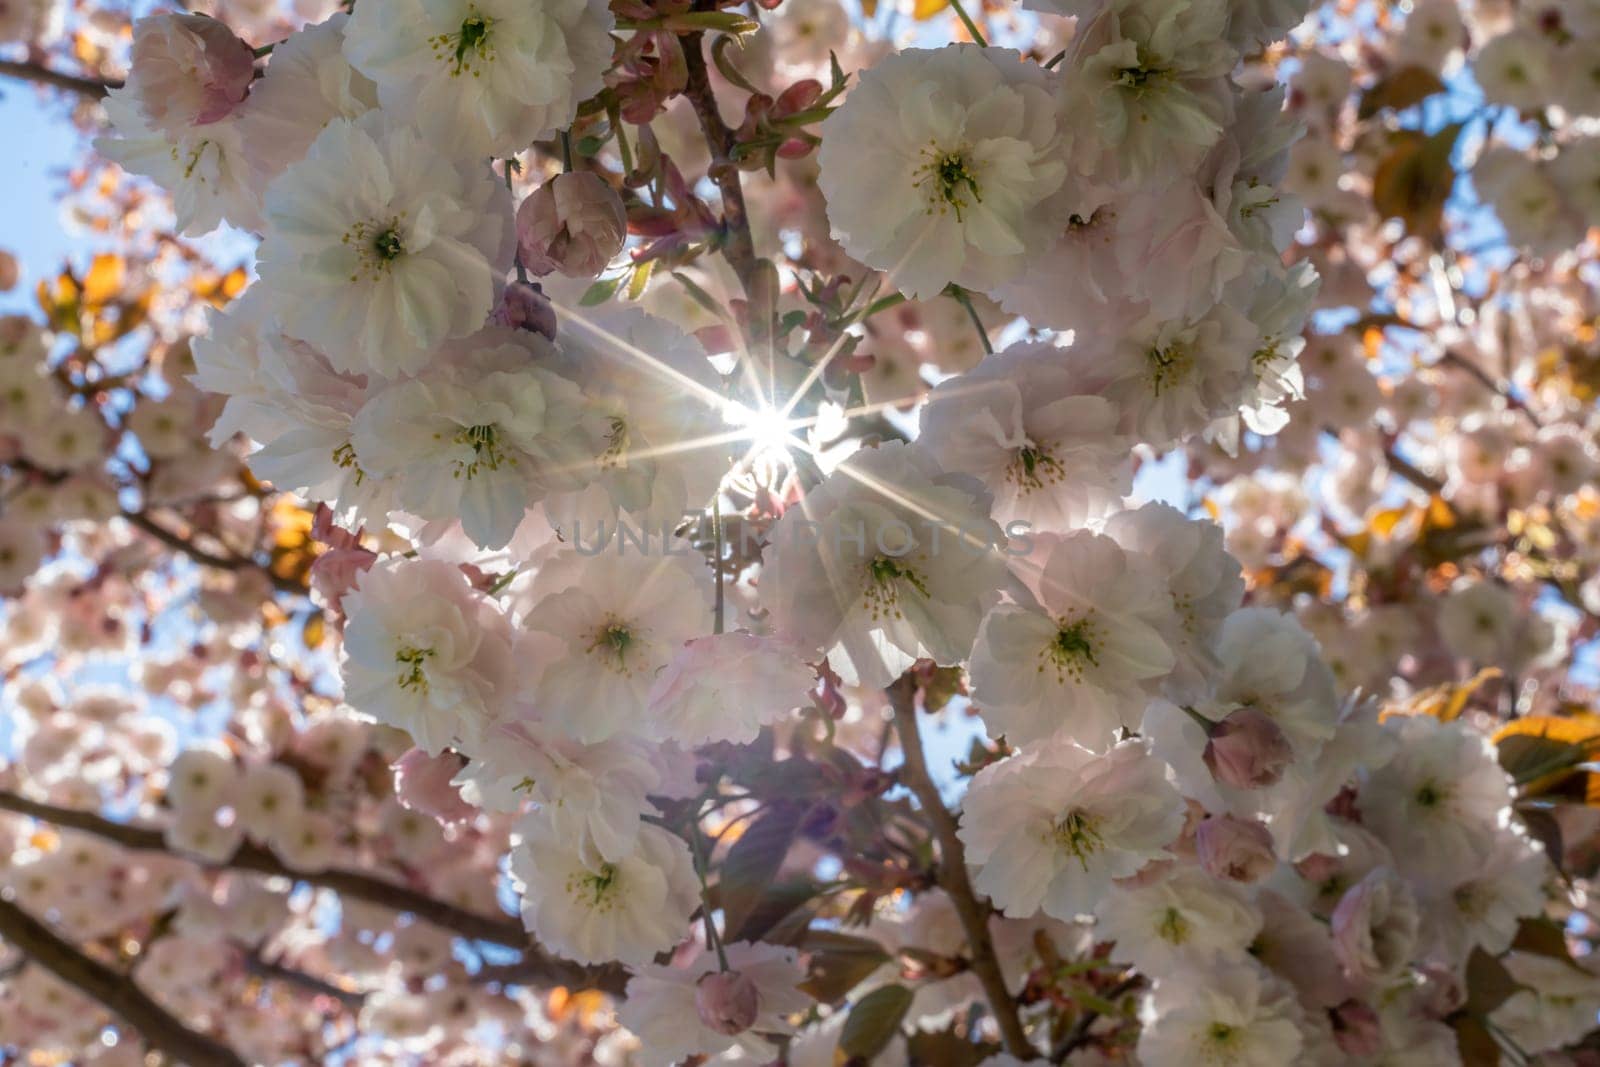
[(613, 641), (386, 246), (1221, 1042), (1169, 365), (883, 587), (947, 180), (1078, 832), (1072, 650), (1140, 78), (484, 451), (1033, 467), (615, 456), (413, 677), (377, 245), (1430, 794), (1174, 928), (597, 889), (344, 457), (468, 49)]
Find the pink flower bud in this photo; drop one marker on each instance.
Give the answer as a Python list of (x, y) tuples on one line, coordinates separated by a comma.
[(1233, 849), (1375, 927), (1356, 1029), (523, 306), (727, 1002), (335, 572), (1247, 750), (422, 783), (574, 223), (188, 70)]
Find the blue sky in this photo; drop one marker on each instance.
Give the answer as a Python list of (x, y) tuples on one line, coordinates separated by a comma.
[(31, 224)]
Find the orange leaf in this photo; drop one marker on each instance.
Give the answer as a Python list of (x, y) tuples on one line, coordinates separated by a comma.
[(314, 630), (1440, 515), (1580, 729), (107, 274), (926, 9), (1444, 702), (1384, 522), (1372, 341)]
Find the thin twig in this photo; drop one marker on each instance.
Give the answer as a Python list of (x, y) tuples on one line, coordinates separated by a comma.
[(1455, 359), (119, 994), (739, 247), (953, 871), (261, 967), (961, 296), (94, 88), (972, 27), (1080, 1030), (206, 558), (501, 930)]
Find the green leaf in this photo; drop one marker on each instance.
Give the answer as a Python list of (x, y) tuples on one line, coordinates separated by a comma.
[(753, 862), (600, 291), (1400, 90), (947, 1048), (874, 1022), (779, 914), (1415, 178), (1543, 936), (1489, 984), (1527, 757), (843, 964), (640, 280), (1475, 1044)]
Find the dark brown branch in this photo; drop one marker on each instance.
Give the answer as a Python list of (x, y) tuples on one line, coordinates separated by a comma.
[(117, 992), (953, 871), (1455, 359), (261, 967), (94, 88), (1412, 473), (205, 558), (738, 247), (1080, 1030), (536, 968), (358, 885)]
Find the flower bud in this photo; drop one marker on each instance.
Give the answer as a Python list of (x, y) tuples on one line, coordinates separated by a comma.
[(1356, 1029), (574, 223), (335, 572), (423, 783), (10, 272), (1375, 926), (523, 306), (1247, 750), (727, 1002), (188, 70), (1235, 850)]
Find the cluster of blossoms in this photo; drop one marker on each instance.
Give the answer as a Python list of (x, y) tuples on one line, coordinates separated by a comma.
[(627, 604)]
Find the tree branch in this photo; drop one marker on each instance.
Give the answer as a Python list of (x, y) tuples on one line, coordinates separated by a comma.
[(1455, 359), (93, 88), (182, 544), (117, 992), (261, 967), (1080, 1030), (738, 246), (953, 871), (1411, 472), (358, 885)]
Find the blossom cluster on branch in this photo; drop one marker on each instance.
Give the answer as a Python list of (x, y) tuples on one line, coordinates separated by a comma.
[(608, 583)]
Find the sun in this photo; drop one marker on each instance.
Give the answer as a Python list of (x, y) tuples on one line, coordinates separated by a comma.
[(768, 429)]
